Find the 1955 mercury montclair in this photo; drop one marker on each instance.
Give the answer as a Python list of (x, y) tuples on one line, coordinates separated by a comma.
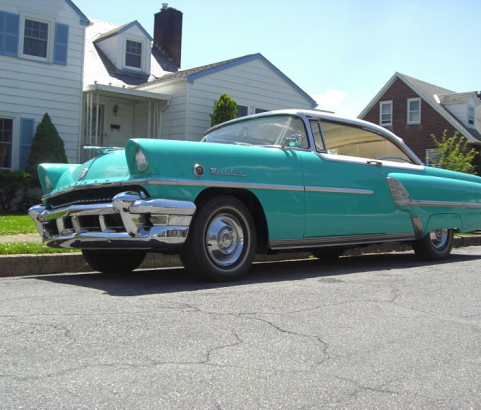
[(275, 181)]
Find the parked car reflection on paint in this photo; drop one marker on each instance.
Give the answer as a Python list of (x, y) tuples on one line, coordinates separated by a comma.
[(282, 180)]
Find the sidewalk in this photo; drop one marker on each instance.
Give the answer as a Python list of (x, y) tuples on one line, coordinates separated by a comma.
[(47, 264)]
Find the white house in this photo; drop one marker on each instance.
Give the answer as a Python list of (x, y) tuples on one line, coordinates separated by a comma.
[(41, 59), (133, 86)]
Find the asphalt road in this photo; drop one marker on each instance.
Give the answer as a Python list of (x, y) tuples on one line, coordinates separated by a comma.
[(369, 332)]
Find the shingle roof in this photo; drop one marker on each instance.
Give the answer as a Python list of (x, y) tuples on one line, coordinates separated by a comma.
[(99, 69), (186, 73)]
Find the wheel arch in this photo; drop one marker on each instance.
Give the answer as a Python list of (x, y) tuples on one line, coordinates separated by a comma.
[(250, 200)]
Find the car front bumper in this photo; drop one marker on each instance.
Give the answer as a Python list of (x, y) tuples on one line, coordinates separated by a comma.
[(127, 222)]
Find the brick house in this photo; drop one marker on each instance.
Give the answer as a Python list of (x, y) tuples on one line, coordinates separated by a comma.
[(414, 110)]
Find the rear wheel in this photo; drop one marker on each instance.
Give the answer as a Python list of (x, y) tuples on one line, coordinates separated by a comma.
[(221, 242), (113, 261), (436, 245)]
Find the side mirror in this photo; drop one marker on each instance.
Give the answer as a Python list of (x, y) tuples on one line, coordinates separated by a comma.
[(294, 140)]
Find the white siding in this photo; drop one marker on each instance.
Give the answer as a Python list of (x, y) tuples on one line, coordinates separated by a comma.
[(459, 111), (29, 89), (173, 119), (253, 84)]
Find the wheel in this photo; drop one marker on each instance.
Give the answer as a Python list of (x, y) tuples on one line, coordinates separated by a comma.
[(115, 261), (221, 242), (327, 253), (436, 245)]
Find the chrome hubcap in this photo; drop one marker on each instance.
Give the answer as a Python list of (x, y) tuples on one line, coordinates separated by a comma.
[(224, 240), (439, 238)]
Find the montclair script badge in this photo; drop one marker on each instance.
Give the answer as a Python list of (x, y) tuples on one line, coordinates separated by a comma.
[(227, 172)]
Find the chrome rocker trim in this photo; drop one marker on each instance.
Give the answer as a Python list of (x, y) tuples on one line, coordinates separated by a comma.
[(129, 221), (307, 243)]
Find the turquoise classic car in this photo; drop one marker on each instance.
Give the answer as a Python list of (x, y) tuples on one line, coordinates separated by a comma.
[(277, 181)]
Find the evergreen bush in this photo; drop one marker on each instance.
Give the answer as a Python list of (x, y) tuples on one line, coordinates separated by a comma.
[(47, 146)]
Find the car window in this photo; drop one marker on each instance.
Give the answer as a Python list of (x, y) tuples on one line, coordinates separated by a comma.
[(342, 139), (268, 130), (316, 132)]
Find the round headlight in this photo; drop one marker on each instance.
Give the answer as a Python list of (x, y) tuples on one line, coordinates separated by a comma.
[(140, 161), (48, 183)]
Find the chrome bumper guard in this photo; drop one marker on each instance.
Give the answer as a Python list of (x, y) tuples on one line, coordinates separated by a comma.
[(129, 221)]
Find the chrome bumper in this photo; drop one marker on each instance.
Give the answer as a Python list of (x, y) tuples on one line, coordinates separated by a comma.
[(128, 222)]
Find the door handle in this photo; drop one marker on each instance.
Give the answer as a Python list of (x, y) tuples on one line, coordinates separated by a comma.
[(375, 163)]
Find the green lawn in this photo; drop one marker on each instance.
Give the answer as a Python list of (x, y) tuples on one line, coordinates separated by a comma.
[(20, 248), (16, 224)]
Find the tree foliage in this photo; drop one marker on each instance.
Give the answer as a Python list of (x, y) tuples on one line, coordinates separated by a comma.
[(14, 186), (225, 109), (454, 153), (47, 146)]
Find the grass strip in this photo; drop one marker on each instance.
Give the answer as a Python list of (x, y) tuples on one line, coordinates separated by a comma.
[(15, 224), (24, 248)]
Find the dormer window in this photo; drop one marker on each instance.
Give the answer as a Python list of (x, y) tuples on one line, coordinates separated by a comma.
[(35, 39), (133, 54)]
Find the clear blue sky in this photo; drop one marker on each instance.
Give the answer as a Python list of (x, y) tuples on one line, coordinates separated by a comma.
[(341, 52)]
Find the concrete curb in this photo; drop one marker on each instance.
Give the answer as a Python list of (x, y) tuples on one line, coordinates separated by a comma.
[(46, 264)]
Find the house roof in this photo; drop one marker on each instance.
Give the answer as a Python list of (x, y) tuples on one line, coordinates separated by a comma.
[(194, 73), (100, 70), (435, 96), (120, 29), (83, 19)]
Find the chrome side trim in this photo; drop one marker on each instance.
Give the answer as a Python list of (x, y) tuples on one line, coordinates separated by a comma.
[(339, 241), (209, 183), (438, 204), (339, 190), (402, 198)]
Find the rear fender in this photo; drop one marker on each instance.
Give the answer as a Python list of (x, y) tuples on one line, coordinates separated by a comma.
[(444, 221)]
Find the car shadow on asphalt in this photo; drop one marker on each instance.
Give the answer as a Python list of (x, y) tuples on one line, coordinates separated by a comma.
[(172, 280)]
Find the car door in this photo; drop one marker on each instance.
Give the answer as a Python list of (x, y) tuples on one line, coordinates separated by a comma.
[(346, 188)]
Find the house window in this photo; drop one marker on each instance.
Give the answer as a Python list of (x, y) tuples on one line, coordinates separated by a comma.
[(385, 110), (242, 111), (35, 39), (133, 54), (6, 132), (260, 110), (414, 111), (432, 157), (471, 115)]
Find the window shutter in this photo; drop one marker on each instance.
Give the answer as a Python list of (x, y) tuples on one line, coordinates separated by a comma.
[(2, 31), (10, 33), (61, 44), (27, 128)]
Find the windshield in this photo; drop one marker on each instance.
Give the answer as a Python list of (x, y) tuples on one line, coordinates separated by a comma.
[(267, 131)]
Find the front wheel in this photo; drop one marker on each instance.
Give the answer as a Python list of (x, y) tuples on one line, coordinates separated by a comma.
[(436, 245), (113, 261), (221, 243)]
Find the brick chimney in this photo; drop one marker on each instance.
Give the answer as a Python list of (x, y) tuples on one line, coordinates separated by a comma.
[(168, 32)]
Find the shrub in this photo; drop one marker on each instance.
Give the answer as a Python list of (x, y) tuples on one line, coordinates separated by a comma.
[(225, 109), (454, 153), (47, 146), (13, 184)]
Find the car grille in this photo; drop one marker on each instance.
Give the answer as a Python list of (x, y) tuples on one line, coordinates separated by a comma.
[(88, 196)]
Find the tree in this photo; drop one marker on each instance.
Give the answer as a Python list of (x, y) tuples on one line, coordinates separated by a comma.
[(225, 109), (454, 153), (47, 146)]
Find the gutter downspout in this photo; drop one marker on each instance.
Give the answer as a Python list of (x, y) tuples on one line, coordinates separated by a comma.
[(161, 122)]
